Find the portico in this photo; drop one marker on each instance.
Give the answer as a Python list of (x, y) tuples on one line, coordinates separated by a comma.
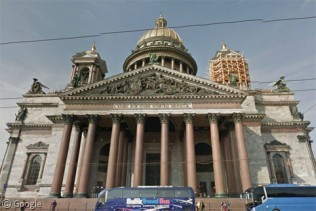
[(135, 132)]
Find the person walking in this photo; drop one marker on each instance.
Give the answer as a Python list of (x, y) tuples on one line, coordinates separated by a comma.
[(223, 205), (200, 206), (227, 205), (53, 205)]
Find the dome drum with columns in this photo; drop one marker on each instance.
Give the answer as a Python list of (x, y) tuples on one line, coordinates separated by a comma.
[(166, 46), (156, 123)]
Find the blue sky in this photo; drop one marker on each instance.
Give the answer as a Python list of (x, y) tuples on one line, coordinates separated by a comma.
[(273, 49)]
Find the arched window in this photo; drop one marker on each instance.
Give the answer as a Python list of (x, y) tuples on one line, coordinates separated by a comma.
[(84, 75), (279, 169), (34, 170), (279, 162)]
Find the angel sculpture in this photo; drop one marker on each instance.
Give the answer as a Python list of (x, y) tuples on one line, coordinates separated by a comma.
[(36, 87), (280, 85)]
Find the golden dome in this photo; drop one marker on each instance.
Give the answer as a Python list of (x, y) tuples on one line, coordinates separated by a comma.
[(161, 34), (166, 46)]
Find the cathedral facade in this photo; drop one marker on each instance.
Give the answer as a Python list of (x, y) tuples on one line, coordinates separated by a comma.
[(156, 123)]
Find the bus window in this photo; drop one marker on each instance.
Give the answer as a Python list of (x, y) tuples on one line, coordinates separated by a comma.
[(113, 194), (150, 193), (166, 193), (131, 193), (183, 193)]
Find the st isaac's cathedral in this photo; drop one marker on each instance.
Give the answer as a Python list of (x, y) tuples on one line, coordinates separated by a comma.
[(156, 123)]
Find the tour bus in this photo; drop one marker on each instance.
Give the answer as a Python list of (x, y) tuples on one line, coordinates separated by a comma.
[(285, 197), (146, 198)]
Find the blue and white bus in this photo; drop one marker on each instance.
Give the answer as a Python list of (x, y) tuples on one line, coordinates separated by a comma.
[(285, 197), (146, 198)]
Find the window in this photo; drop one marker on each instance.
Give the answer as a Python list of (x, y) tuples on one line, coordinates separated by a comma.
[(34, 170), (279, 162), (84, 75), (279, 169)]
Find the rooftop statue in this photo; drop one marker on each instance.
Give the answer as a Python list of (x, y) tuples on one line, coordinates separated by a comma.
[(22, 113), (153, 58), (36, 87), (232, 78), (281, 85)]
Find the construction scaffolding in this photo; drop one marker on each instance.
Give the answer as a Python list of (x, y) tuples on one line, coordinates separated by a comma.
[(230, 68)]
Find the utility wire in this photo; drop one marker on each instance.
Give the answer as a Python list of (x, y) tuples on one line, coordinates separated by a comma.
[(266, 82), (11, 98), (138, 30), (309, 109), (298, 90)]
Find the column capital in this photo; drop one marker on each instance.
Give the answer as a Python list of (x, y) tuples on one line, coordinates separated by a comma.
[(78, 126), (188, 118), (92, 118), (212, 117), (164, 118), (14, 140), (238, 117), (140, 118), (68, 118), (116, 118), (85, 132)]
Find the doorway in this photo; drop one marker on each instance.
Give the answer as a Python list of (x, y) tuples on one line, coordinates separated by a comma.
[(152, 169)]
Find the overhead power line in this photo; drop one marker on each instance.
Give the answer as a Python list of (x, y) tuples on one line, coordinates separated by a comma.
[(309, 109), (11, 98), (267, 82), (138, 30), (298, 90)]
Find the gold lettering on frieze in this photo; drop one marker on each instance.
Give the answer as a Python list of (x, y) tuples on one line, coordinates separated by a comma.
[(152, 105)]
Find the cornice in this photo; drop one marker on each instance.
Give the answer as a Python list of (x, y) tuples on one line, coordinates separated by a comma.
[(41, 95), (253, 117), (270, 92), (274, 125), (29, 126), (163, 97), (30, 105), (276, 103), (56, 119)]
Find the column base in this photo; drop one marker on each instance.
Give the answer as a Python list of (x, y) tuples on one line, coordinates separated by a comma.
[(54, 195), (220, 195), (81, 195), (68, 195)]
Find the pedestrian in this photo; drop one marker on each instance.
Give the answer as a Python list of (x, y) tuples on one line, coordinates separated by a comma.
[(228, 205), (200, 206), (53, 205), (223, 205)]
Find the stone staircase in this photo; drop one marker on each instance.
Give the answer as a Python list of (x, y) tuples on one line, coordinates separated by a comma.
[(83, 204), (214, 204)]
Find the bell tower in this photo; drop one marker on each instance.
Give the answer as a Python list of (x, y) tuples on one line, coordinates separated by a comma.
[(87, 68), (230, 68)]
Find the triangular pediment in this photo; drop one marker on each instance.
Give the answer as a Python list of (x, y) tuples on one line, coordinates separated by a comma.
[(153, 81)]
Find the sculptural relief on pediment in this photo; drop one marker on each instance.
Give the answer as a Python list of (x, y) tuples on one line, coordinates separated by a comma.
[(153, 84)]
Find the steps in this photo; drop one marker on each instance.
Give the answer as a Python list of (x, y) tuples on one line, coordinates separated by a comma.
[(214, 204)]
